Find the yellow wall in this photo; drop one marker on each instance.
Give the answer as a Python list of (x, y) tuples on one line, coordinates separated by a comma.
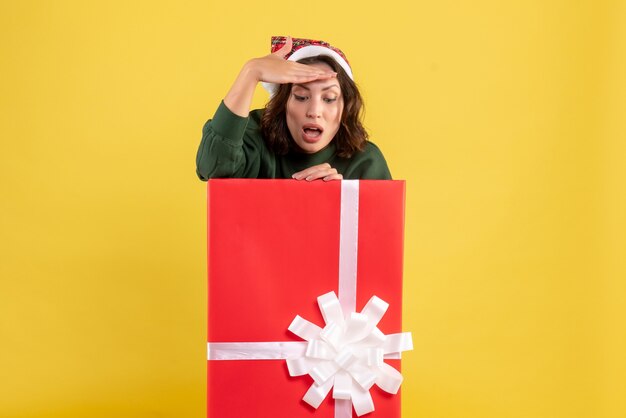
[(506, 119)]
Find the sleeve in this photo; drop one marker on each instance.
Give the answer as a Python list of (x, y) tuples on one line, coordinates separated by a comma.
[(228, 148), (370, 165)]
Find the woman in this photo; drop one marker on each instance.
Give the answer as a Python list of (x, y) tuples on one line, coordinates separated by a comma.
[(309, 130)]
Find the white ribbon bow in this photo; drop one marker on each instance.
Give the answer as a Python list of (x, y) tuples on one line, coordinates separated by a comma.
[(347, 355)]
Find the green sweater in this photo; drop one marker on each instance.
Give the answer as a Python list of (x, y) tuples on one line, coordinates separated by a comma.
[(232, 146)]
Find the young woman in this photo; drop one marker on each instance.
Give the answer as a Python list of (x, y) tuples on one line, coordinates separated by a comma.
[(309, 130)]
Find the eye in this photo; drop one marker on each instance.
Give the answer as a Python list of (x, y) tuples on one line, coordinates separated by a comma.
[(299, 98), (329, 99)]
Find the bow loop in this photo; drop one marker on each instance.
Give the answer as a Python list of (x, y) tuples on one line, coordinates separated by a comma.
[(330, 308), (304, 329)]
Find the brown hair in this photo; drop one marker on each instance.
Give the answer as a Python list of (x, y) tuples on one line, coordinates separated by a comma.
[(350, 137)]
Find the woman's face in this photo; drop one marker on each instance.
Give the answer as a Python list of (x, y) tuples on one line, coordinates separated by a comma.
[(314, 112)]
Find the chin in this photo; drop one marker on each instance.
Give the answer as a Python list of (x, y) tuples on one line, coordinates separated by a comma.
[(311, 148)]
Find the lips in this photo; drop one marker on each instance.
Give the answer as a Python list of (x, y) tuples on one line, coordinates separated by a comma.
[(312, 132)]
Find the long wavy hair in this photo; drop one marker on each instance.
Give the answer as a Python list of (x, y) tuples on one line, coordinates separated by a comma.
[(351, 135)]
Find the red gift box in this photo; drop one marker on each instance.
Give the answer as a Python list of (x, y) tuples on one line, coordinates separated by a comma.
[(273, 249)]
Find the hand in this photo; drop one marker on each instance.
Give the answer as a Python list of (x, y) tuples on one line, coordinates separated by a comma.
[(274, 68), (320, 171)]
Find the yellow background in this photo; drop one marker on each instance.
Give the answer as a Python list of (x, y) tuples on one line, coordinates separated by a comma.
[(506, 118)]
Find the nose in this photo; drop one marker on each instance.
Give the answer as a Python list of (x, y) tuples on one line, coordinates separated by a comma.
[(314, 109)]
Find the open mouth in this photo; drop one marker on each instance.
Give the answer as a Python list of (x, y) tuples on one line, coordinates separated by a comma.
[(312, 132)]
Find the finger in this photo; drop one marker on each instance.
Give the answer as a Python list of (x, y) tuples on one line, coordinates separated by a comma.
[(303, 69), (286, 48), (307, 78), (336, 176), (313, 70), (308, 171), (275, 69), (330, 74), (302, 79), (320, 174)]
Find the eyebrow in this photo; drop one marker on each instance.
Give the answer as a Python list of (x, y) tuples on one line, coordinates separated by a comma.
[(325, 88)]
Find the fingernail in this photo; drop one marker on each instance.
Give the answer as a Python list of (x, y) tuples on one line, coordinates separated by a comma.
[(309, 178)]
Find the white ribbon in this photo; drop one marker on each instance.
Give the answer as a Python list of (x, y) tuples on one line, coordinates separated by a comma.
[(276, 350), (348, 244), (348, 354)]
